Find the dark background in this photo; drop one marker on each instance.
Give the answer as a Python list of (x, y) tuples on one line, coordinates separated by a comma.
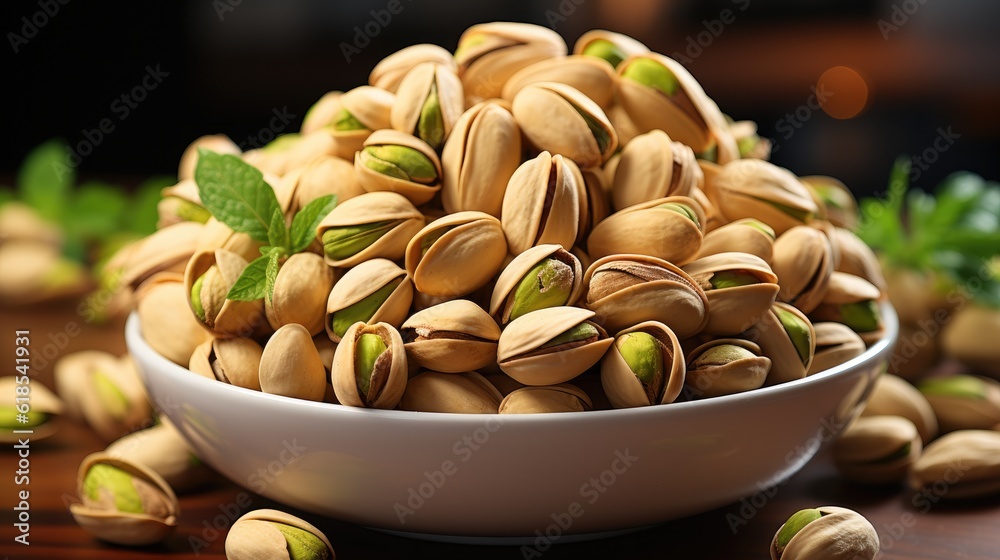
[(232, 64)]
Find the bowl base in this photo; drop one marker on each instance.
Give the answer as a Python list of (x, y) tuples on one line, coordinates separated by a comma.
[(531, 540)]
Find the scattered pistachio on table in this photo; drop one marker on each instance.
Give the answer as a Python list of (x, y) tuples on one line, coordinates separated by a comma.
[(268, 533), (963, 402), (962, 464), (877, 449), (825, 533), (894, 396), (39, 417)]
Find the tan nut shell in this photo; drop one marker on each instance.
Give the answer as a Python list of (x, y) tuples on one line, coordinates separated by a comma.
[(371, 106), (325, 176), (741, 187), (322, 112), (444, 269), (373, 181), (962, 412), (524, 203), (108, 425), (739, 237), (344, 381), (388, 73), (732, 310), (217, 235), (223, 316), (291, 366), (171, 196), (623, 388), (42, 400), (300, 290), (458, 336), (162, 449), (861, 451), (516, 270), (770, 335), (364, 280), (627, 44), (647, 230), (966, 462), (252, 537), (414, 90), (970, 337), (554, 398), (840, 534), (894, 396), (532, 330), (857, 258), (69, 373), (166, 250), (804, 265), (370, 208), (835, 344), (745, 374), (218, 143), (845, 213), (230, 360), (590, 76), (551, 117), (845, 289), (463, 393), (653, 166), (166, 320)]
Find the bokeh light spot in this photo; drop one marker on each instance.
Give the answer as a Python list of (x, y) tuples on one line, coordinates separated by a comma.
[(842, 92)]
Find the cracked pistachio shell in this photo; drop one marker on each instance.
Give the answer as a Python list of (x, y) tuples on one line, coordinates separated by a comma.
[(71, 370), (557, 280), (725, 366), (489, 54), (374, 291), (416, 191), (672, 232), (542, 203), (789, 360), (217, 235), (428, 103), (839, 205), (111, 397), (751, 188), (857, 258), (400, 218), (123, 502), (653, 166), (231, 360), (553, 398), (451, 337), (804, 265), (742, 236), (207, 280), (966, 462), (362, 110), (877, 449), (835, 344), (181, 203), (609, 46), (462, 393), (657, 92), (269, 533), (861, 296), (391, 70), (476, 178), (827, 533), (740, 288), (310, 147), (162, 449), (301, 288), (558, 118), (963, 402), (165, 317), (750, 144), (36, 272), (438, 258), (388, 376), (522, 352), (325, 176), (166, 250), (218, 143), (894, 396), (291, 365), (45, 406), (660, 354), (586, 74), (322, 113), (970, 337), (625, 290), (830, 232)]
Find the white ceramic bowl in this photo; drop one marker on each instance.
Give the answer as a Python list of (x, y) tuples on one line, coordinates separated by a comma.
[(496, 477)]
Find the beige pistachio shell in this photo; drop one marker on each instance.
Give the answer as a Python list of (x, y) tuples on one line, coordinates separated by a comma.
[(291, 366), (100, 516), (326, 176), (302, 286), (554, 398), (847, 289), (732, 310), (230, 360), (877, 449), (970, 337), (219, 271), (626, 44), (176, 204), (389, 374), (322, 113), (254, 536), (839, 205), (804, 265), (542, 203), (830, 232), (857, 258), (648, 229), (371, 106), (364, 280), (424, 80), (624, 127), (35, 272), (560, 119), (112, 398), (710, 376), (894, 396), (391, 70), (589, 75), (769, 333), (310, 147), (476, 178), (966, 463), (72, 370), (451, 337), (43, 401), (519, 352), (166, 320), (217, 235), (963, 402), (512, 275), (373, 181), (750, 188), (166, 250), (839, 534), (652, 166), (749, 142), (625, 290), (371, 208), (438, 256), (218, 143), (463, 393), (835, 344), (20, 222), (162, 449), (623, 387), (598, 201), (742, 236)]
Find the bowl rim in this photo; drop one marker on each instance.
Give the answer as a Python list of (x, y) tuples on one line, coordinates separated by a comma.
[(137, 345)]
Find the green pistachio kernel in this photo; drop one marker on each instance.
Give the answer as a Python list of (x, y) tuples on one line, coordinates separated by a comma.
[(430, 127), (862, 316), (469, 42), (643, 354), (9, 419), (961, 386), (344, 121), (342, 242), (649, 72), (432, 236), (199, 311), (548, 284), (795, 523), (114, 401), (363, 310), (369, 348), (798, 332), (721, 355), (761, 227), (681, 209), (800, 215), (600, 133), (282, 143), (302, 545), (710, 153), (106, 477), (401, 162), (747, 144), (580, 333), (900, 453), (733, 279), (604, 49)]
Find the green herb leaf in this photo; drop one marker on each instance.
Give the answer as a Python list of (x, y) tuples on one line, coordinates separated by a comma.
[(97, 211), (250, 286), (306, 221), (6, 195), (235, 193), (271, 273), (45, 179), (277, 233), (143, 214)]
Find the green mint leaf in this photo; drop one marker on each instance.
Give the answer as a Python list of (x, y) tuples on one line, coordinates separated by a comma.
[(45, 179), (97, 211), (250, 285), (271, 273), (277, 233), (235, 193), (143, 214), (306, 221)]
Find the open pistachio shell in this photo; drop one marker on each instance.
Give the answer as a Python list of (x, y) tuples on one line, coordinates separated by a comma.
[(291, 366), (667, 228), (165, 317), (625, 290), (374, 291), (877, 449), (463, 393), (377, 224), (543, 276), (551, 345), (609, 46), (428, 103), (268, 533), (112, 398), (725, 366), (838, 202), (123, 502), (804, 265), (45, 406), (391, 70), (476, 178), (894, 396), (438, 256), (300, 289), (166, 250), (362, 110), (966, 462), (835, 344), (230, 360), (560, 119), (644, 366), (553, 398), (963, 402), (857, 258), (379, 170), (786, 336), (749, 142), (825, 533), (367, 372), (853, 301), (542, 203), (751, 188), (72, 370), (309, 147), (590, 76), (322, 113), (164, 451), (218, 143), (652, 166), (740, 288), (742, 236), (451, 337), (208, 278), (217, 235), (181, 203), (325, 176), (970, 337)]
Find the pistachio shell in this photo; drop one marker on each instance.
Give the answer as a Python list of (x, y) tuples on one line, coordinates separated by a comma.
[(652, 166), (804, 265), (751, 188), (369, 107), (291, 366), (624, 127), (894, 396), (835, 534), (373, 181), (181, 203), (650, 229), (835, 344), (166, 250), (451, 337), (322, 113), (970, 337), (595, 202), (725, 366), (521, 351), (20, 222), (325, 176), (590, 76), (750, 144), (230, 360), (877, 449), (370, 278), (512, 276), (162, 449), (731, 310), (389, 72), (742, 236), (217, 235), (112, 399), (425, 84), (464, 393), (787, 361), (853, 301), (71, 371), (963, 402), (257, 535), (624, 45), (45, 405), (555, 398), (858, 259), (621, 383), (560, 119), (218, 143), (372, 208), (438, 256), (838, 202), (208, 278), (388, 377), (542, 203), (165, 318), (966, 463), (300, 289)]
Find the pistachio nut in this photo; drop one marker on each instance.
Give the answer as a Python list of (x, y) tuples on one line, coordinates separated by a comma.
[(551, 345), (804, 265), (608, 46), (218, 143), (894, 396), (326, 348), (290, 365), (298, 151), (877, 449), (553, 398), (166, 321), (651, 167), (123, 502), (268, 533), (72, 370), (595, 202), (181, 203), (742, 236), (667, 228), (489, 54), (740, 288), (391, 70), (377, 224), (208, 278), (476, 178), (625, 290), (966, 463), (370, 367), (825, 533), (835, 344), (362, 110), (751, 188), (858, 259), (591, 77), (853, 301), (110, 396), (451, 337), (725, 366), (830, 232), (838, 201), (624, 127), (397, 162), (970, 337), (325, 176), (44, 407), (963, 402), (322, 113), (20, 222), (645, 366), (542, 203), (788, 338), (463, 393), (217, 235), (301, 288), (162, 449), (166, 250), (437, 258), (748, 142), (230, 360), (543, 276), (560, 119), (428, 103), (659, 93), (35, 272), (374, 291)]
